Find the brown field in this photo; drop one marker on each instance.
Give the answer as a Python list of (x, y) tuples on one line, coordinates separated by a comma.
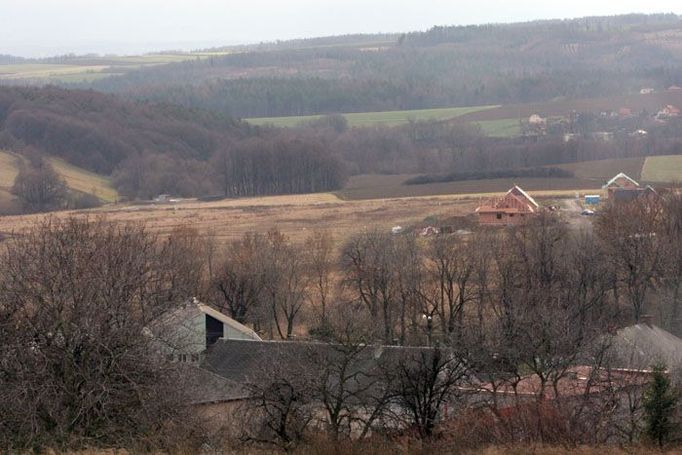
[(364, 187), (296, 216), (603, 170), (652, 103)]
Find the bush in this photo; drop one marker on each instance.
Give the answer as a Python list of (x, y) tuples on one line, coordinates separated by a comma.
[(83, 201)]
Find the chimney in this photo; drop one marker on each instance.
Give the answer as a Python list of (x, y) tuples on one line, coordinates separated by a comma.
[(647, 319)]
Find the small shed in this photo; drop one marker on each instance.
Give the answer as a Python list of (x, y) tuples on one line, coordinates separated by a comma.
[(592, 199)]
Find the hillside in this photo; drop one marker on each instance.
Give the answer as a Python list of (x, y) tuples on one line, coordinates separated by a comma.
[(76, 179), (75, 69), (499, 121), (148, 149), (497, 64)]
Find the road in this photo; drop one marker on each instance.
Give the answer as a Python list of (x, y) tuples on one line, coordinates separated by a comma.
[(571, 211)]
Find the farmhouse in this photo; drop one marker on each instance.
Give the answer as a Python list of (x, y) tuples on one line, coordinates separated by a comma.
[(184, 334), (620, 183), (512, 208), (622, 188)]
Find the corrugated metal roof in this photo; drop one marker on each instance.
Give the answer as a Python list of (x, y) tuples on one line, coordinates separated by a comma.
[(641, 345)]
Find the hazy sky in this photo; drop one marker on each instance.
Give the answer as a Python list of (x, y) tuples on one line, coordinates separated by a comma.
[(48, 27)]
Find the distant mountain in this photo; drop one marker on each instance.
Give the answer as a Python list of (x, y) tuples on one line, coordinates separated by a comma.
[(442, 67)]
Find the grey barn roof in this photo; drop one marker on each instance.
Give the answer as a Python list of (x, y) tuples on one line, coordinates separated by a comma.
[(244, 361), (640, 346), (205, 387)]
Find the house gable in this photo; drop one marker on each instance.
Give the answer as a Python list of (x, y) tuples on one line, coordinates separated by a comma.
[(621, 181)]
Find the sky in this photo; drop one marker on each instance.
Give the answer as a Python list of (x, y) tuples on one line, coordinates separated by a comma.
[(38, 28)]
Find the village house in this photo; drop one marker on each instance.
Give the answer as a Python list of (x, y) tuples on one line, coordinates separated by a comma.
[(668, 112), (619, 183), (622, 188), (511, 209)]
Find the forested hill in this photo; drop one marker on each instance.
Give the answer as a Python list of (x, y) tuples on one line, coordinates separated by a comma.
[(151, 148), (444, 66), (97, 131)]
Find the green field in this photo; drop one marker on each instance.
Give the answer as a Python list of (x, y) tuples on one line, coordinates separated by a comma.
[(663, 169), (501, 128), (387, 118)]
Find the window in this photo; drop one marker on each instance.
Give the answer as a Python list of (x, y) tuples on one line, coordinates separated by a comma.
[(499, 216), (511, 215), (214, 330)]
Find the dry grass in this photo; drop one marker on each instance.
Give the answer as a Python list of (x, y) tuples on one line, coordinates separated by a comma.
[(8, 170), (296, 216), (85, 181), (76, 178)]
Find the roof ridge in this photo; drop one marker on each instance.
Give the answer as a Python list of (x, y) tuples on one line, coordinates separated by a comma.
[(619, 175)]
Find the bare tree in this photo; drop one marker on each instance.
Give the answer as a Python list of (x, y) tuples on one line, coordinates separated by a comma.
[(286, 282), (76, 368), (238, 285), (630, 235), (672, 275), (183, 266), (424, 382), (370, 273), (451, 264), (39, 188), (319, 248), (281, 409)]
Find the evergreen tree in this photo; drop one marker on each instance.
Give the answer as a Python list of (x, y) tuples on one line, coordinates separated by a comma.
[(660, 401)]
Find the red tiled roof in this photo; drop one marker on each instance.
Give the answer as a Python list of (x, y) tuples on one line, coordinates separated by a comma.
[(577, 381)]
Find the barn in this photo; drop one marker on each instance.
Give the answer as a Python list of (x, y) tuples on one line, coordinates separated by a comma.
[(187, 332)]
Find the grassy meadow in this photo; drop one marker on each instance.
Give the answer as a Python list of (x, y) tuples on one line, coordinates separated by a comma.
[(501, 128), (663, 169), (387, 118)]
